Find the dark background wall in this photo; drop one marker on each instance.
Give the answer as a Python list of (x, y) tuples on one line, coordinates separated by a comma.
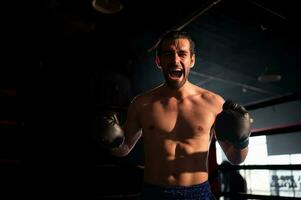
[(67, 62)]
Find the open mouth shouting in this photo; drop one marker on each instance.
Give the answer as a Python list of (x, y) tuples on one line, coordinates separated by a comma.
[(175, 74)]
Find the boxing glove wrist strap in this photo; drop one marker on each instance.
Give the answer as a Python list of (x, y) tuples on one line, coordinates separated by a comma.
[(241, 144)]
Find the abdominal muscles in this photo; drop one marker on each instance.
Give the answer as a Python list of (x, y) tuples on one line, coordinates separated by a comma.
[(171, 162)]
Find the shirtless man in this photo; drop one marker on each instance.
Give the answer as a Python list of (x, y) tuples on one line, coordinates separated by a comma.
[(176, 120)]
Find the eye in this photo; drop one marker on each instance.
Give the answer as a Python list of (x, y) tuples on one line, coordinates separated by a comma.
[(183, 53), (167, 53)]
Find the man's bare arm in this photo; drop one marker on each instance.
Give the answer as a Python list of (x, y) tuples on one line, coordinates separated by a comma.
[(131, 129)]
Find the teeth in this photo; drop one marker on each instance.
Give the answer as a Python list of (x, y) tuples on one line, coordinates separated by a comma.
[(176, 73), (176, 70)]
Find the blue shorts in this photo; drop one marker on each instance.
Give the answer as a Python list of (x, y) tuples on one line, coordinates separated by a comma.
[(195, 192)]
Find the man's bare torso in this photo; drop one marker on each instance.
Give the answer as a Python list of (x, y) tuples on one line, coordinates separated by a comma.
[(176, 135)]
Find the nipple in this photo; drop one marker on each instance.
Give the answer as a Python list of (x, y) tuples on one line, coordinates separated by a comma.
[(200, 128)]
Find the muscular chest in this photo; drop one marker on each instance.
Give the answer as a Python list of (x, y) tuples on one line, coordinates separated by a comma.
[(175, 119)]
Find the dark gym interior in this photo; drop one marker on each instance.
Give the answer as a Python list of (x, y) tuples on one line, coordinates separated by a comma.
[(66, 61)]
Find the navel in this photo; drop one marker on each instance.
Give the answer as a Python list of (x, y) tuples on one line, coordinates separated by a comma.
[(175, 175)]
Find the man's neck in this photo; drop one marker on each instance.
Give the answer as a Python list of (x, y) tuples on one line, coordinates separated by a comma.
[(179, 93)]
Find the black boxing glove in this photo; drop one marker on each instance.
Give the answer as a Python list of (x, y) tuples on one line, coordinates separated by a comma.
[(107, 132), (233, 124)]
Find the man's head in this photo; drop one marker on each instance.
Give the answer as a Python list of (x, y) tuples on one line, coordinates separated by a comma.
[(175, 56)]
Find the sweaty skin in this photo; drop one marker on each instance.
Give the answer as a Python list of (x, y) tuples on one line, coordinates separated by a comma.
[(176, 134), (175, 121)]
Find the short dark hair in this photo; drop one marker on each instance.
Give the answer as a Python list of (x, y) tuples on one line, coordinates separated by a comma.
[(173, 35)]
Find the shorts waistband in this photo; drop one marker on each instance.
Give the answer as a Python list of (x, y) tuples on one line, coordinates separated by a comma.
[(176, 187)]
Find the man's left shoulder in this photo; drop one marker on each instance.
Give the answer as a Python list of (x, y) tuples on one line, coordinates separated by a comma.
[(212, 98)]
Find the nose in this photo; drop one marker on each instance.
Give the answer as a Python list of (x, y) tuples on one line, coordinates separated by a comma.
[(175, 58)]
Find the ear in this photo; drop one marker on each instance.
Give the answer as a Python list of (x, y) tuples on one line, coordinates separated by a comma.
[(192, 61), (158, 62)]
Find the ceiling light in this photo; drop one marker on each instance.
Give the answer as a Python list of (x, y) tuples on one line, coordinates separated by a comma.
[(244, 90), (107, 6), (268, 76)]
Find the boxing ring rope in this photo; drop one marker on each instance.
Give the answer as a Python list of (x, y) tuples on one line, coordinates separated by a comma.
[(269, 167), (273, 101), (290, 128), (254, 196)]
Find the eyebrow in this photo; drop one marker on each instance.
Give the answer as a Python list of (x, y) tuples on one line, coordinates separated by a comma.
[(183, 50), (179, 50)]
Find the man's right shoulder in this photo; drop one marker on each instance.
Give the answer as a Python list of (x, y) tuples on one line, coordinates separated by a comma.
[(145, 97)]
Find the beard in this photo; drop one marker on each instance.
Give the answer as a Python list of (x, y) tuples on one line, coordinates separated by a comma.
[(175, 83)]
